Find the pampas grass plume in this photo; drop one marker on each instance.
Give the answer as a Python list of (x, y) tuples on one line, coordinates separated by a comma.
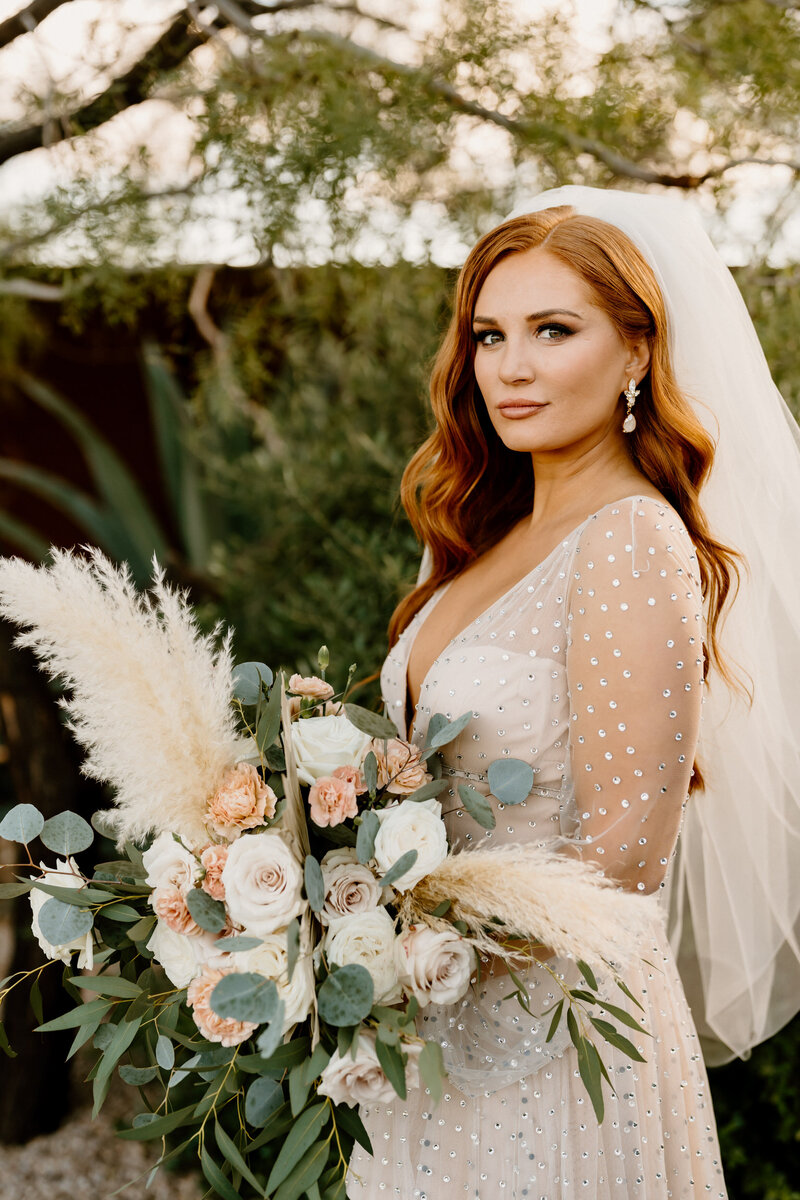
[(541, 895), (149, 694)]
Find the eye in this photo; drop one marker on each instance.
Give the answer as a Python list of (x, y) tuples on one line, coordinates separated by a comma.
[(487, 337), (553, 332)]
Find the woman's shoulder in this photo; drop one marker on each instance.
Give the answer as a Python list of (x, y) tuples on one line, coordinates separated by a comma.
[(634, 536)]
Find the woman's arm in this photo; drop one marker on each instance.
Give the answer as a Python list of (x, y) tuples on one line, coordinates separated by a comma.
[(635, 675)]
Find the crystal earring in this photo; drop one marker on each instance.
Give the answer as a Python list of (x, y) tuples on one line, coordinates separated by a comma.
[(631, 392)]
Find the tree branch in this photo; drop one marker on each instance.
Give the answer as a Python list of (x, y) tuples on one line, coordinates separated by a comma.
[(26, 20), (608, 155), (172, 48)]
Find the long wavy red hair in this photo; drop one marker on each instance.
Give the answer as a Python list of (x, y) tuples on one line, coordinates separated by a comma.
[(464, 489)]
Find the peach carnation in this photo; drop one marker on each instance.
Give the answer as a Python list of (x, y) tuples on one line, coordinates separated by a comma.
[(225, 1030), (352, 775), (213, 859), (310, 686), (169, 903), (331, 800), (242, 801), (400, 769)]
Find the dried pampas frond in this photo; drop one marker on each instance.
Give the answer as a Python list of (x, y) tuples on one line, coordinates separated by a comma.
[(150, 695), (542, 896)]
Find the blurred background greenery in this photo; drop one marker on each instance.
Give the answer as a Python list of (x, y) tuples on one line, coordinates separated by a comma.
[(216, 319)]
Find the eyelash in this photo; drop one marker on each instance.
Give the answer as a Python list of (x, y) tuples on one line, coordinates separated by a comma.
[(564, 330)]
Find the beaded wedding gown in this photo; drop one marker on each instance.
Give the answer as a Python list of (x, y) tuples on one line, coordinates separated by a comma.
[(590, 669)]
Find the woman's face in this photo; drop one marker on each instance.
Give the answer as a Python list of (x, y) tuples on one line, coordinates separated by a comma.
[(549, 362)]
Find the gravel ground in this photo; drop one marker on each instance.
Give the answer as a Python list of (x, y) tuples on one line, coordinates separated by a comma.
[(84, 1160)]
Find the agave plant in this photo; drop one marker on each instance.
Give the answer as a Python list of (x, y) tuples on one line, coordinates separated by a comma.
[(118, 518)]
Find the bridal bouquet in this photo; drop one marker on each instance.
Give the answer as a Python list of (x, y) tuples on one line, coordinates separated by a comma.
[(285, 900)]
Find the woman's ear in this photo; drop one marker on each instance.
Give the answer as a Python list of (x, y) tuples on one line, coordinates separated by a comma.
[(638, 361)]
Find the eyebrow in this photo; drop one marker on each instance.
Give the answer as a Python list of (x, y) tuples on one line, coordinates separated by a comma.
[(537, 316)]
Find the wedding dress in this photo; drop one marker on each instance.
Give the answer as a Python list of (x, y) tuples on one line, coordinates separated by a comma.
[(590, 669)]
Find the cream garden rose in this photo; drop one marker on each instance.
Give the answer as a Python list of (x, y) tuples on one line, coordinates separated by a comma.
[(66, 874), (411, 825), (168, 862), (263, 883), (366, 938), (321, 744), (181, 957), (271, 959), (359, 1080), (433, 965), (350, 886)]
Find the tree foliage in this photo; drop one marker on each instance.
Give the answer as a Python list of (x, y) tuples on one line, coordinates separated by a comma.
[(323, 115)]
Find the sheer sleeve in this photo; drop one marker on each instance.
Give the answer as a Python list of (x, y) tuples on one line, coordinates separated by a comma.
[(635, 678)]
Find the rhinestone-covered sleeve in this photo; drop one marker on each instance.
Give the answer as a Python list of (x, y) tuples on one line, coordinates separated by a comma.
[(634, 671)]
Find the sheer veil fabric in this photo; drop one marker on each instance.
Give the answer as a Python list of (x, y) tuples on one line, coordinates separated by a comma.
[(735, 884)]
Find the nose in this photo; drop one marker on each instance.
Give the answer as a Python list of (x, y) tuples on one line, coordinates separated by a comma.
[(516, 363)]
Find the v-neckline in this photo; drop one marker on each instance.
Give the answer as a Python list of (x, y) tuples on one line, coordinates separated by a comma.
[(428, 608)]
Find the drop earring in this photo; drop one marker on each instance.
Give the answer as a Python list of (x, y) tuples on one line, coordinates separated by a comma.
[(631, 392)]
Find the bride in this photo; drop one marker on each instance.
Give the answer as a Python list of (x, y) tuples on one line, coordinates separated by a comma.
[(611, 471)]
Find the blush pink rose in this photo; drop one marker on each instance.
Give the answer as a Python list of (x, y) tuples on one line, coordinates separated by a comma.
[(224, 1030), (331, 800), (310, 686), (213, 859), (169, 903), (400, 767), (242, 801), (352, 775)]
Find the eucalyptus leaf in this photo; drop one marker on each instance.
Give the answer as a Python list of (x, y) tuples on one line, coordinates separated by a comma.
[(263, 1098), (63, 923), (428, 790), (303, 1134), (231, 1152), (315, 884), (369, 722), (137, 1076), (555, 1020), (165, 1053), (346, 996), (391, 1060), (22, 824), (271, 1037), (208, 913), (450, 731), (431, 1069), (9, 891), (398, 869), (237, 943), (367, 832), (371, 772), (67, 833), (437, 722), (477, 806), (245, 996), (102, 822), (510, 780), (247, 679), (270, 722)]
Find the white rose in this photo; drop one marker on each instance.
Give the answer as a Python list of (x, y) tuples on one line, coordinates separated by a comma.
[(263, 883), (168, 862), (271, 959), (367, 939), (350, 887), (358, 1080), (321, 744), (181, 957), (66, 874), (411, 825), (434, 965)]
